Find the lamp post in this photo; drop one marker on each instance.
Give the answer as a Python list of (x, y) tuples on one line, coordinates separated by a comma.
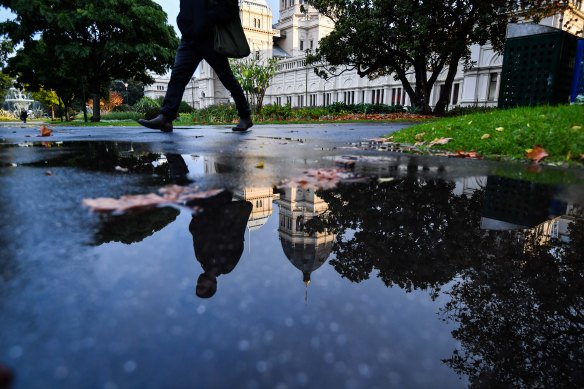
[(126, 86)]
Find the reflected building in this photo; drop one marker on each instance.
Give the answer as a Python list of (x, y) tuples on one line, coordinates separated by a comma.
[(307, 252), (262, 201)]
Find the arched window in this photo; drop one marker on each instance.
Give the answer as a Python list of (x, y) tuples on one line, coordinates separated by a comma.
[(300, 224)]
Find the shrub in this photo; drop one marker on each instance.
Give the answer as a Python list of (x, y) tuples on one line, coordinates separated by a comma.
[(185, 107), (219, 113), (145, 104), (122, 108), (276, 112)]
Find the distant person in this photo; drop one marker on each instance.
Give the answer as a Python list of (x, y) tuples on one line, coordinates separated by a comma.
[(23, 115), (218, 238), (195, 22)]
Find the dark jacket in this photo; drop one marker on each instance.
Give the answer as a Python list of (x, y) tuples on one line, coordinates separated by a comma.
[(197, 17)]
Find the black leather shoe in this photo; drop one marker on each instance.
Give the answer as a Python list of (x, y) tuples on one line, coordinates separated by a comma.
[(160, 122), (244, 124)]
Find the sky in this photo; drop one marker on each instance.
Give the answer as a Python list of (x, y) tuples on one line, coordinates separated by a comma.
[(171, 7)]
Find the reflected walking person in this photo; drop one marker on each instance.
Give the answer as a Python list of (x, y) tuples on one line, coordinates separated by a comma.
[(218, 238), (196, 20)]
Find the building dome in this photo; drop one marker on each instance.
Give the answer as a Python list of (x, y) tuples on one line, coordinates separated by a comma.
[(307, 256)]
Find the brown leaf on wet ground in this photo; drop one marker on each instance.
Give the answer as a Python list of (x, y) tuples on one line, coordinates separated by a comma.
[(536, 154), (169, 195), (45, 131)]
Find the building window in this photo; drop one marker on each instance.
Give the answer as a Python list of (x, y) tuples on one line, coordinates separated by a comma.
[(493, 78), (289, 100), (300, 101), (455, 91), (301, 45), (311, 44)]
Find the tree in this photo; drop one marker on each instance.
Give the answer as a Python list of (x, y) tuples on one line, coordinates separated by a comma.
[(95, 42), (255, 76), (132, 93), (422, 38), (48, 98)]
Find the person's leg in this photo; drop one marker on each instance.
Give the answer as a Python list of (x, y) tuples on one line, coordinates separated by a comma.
[(186, 61), (220, 64)]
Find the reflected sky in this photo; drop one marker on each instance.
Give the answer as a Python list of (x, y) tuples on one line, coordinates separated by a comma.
[(109, 301)]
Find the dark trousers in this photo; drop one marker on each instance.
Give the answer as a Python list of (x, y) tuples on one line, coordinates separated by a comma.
[(188, 57)]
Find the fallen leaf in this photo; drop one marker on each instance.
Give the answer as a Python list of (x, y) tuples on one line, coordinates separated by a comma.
[(576, 127), (260, 165), (323, 179), (500, 129), (485, 136), (536, 154), (48, 173), (121, 169), (439, 141), (46, 131), (419, 143), (170, 195), (469, 123), (465, 154), (420, 136)]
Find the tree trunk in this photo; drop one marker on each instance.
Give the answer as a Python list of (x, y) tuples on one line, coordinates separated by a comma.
[(96, 108), (440, 108)]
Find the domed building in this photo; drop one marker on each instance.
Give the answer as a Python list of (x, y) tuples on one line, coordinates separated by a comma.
[(307, 252)]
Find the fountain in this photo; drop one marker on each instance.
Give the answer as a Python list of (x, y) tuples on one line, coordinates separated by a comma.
[(16, 101)]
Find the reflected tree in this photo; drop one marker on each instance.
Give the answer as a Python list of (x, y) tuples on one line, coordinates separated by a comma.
[(133, 227), (520, 313), (416, 233)]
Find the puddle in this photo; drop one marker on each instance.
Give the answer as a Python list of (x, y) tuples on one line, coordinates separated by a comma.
[(411, 278)]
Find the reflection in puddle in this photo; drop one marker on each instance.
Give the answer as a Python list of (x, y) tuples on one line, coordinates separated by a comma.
[(498, 259)]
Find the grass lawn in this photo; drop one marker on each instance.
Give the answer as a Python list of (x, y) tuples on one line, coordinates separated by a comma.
[(506, 133)]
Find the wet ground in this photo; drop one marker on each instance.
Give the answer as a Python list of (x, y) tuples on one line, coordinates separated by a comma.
[(328, 260)]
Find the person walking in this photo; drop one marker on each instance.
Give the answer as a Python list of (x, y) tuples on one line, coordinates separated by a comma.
[(195, 21)]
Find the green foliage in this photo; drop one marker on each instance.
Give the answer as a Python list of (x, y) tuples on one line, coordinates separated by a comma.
[(184, 107), (425, 38), (132, 93), (146, 103), (559, 130), (255, 76), (5, 84), (88, 44), (277, 112), (220, 113)]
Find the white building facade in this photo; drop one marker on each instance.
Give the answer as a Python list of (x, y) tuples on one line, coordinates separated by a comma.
[(300, 27)]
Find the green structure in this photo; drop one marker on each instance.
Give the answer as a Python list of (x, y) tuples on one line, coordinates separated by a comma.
[(538, 66)]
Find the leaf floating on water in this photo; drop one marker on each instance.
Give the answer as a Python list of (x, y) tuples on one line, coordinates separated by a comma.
[(439, 141), (485, 136), (170, 195), (536, 154), (46, 131), (323, 179), (48, 173), (121, 169)]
